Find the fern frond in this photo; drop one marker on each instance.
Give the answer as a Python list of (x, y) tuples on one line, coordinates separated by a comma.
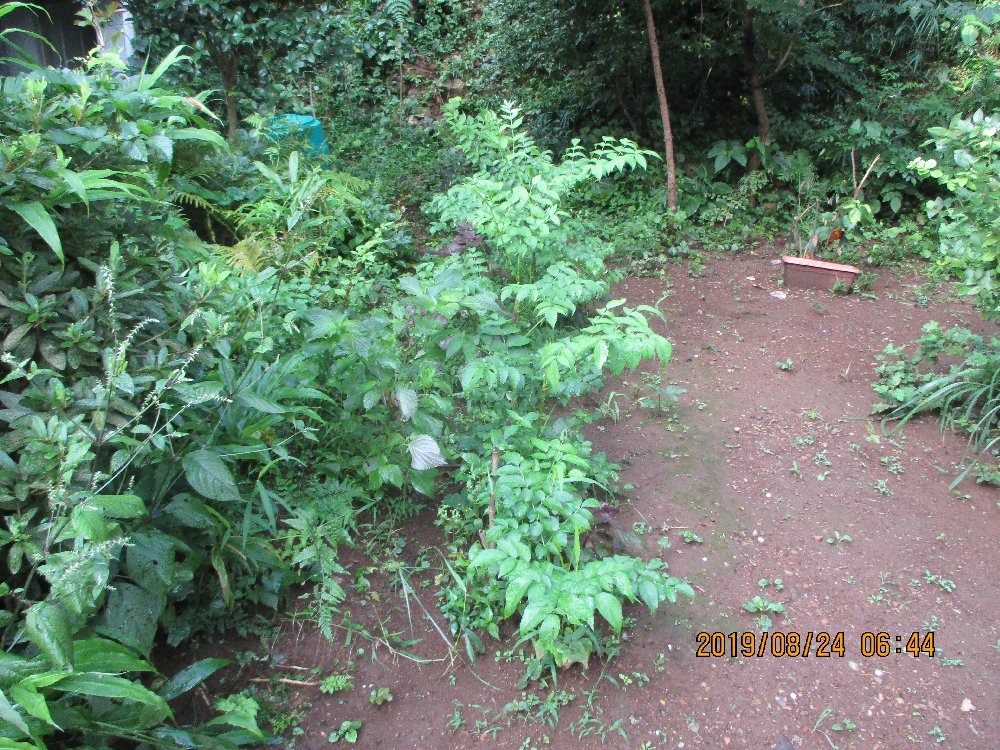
[(193, 200), (249, 254), (398, 10)]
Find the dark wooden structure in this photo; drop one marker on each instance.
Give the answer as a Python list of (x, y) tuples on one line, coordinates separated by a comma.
[(58, 27)]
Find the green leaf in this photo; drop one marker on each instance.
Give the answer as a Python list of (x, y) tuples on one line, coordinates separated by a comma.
[(515, 593), (47, 625), (9, 714), (119, 506), (407, 400), (650, 594), (192, 676), (210, 476), (6, 744), (486, 557), (424, 454), (548, 631), (146, 82), (95, 684), (391, 474), (102, 655), (38, 218), (131, 616), (33, 702), (263, 405), (200, 134), (163, 146), (577, 610), (610, 608), (239, 711), (534, 613)]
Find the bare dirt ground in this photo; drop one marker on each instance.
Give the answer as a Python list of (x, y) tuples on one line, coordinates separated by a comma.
[(782, 475)]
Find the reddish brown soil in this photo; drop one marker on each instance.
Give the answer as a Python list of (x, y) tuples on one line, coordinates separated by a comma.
[(720, 467)]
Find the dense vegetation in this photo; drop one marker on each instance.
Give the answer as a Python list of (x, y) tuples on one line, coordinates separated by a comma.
[(225, 356)]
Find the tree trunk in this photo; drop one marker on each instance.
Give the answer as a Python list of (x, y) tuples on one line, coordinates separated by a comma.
[(228, 65), (232, 115), (756, 89), (661, 95)]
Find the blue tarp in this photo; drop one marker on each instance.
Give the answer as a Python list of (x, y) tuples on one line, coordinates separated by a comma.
[(301, 127)]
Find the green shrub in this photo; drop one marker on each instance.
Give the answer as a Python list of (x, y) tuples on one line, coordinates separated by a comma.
[(966, 166), (532, 485), (122, 513)]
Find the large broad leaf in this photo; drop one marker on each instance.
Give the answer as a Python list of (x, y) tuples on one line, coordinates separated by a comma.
[(119, 506), (150, 560), (163, 146), (407, 399), (536, 611), (610, 608), (38, 218), (131, 616), (93, 684), (210, 476), (199, 134), (102, 655), (192, 676), (47, 625), (425, 452), (515, 592), (254, 401), (33, 702)]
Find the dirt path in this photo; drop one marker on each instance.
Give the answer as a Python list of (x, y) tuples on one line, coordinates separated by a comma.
[(764, 466)]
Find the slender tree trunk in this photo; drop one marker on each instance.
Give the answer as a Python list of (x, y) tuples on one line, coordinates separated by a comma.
[(756, 89), (661, 95), (228, 65)]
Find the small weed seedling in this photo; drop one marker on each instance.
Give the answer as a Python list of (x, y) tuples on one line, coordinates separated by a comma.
[(787, 366), (690, 537), (882, 488), (837, 538), (456, 722), (348, 732), (778, 584), (380, 696), (795, 469), (763, 604), (892, 464), (335, 683), (945, 584), (660, 662), (938, 734)]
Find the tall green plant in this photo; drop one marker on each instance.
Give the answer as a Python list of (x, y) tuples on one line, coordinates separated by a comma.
[(120, 508), (966, 165), (532, 487)]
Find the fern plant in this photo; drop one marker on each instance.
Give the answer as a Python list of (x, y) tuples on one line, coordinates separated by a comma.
[(398, 10)]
